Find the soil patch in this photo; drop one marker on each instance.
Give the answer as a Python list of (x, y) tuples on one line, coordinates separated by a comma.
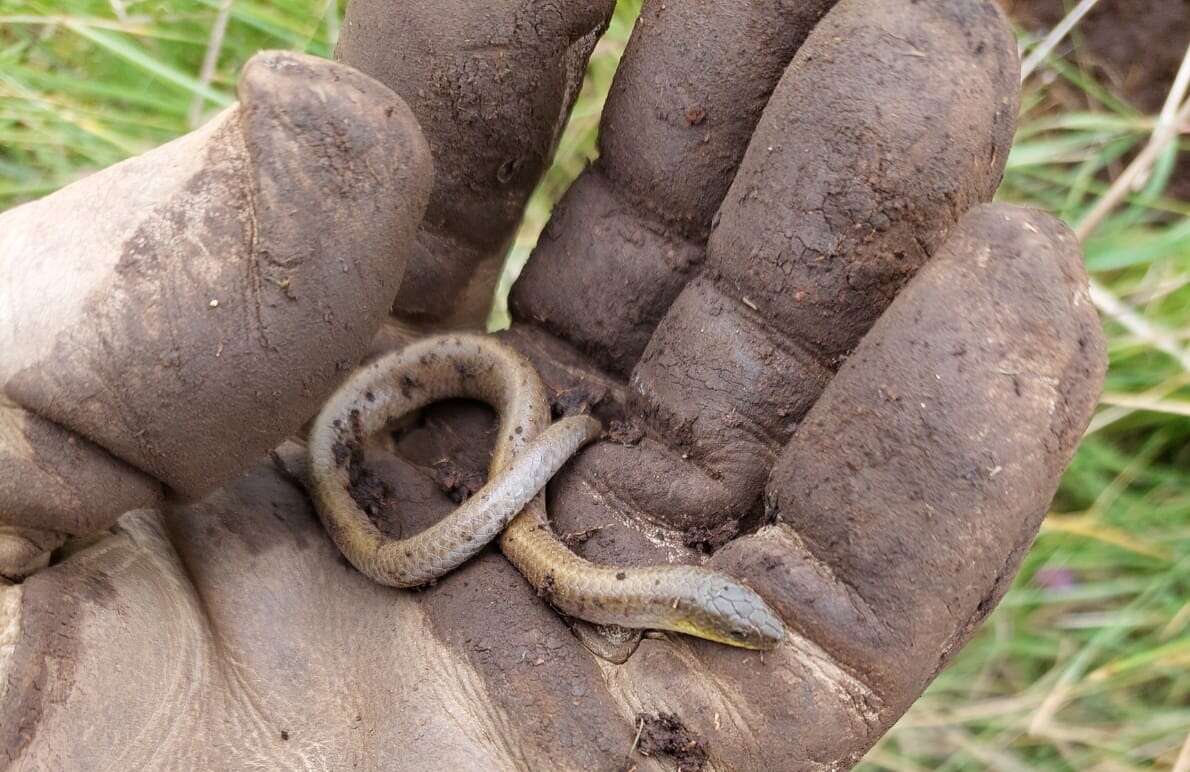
[(664, 734), (1132, 47)]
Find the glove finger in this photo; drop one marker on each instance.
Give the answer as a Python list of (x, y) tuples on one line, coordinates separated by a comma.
[(220, 285), (491, 85), (632, 229), (892, 120), (907, 497)]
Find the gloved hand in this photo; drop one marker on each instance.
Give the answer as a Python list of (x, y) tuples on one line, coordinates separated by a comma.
[(825, 368)]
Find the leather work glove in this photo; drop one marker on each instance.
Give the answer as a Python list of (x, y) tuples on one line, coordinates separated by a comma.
[(825, 366)]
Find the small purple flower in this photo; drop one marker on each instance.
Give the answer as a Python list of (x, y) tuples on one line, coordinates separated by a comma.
[(1056, 578)]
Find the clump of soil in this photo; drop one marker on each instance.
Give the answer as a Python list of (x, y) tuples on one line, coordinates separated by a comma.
[(578, 400), (664, 734), (375, 497), (710, 538), (626, 432), (457, 482)]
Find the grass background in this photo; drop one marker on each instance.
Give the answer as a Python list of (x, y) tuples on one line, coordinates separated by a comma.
[(1085, 664)]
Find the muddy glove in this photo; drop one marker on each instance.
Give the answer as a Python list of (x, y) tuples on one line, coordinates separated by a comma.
[(824, 367)]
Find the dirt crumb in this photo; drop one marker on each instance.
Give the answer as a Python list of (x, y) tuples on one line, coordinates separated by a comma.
[(577, 400), (710, 538), (376, 498), (664, 734), (578, 538), (627, 432), (408, 386), (457, 483), (546, 590)]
